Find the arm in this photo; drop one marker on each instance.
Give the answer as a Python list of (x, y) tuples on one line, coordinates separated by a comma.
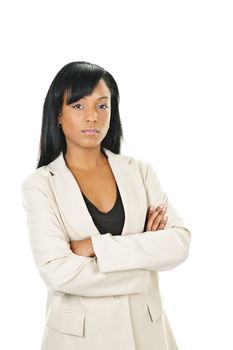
[(157, 251), (61, 269)]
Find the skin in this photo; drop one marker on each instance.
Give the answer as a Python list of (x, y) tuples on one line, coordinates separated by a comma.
[(84, 152), (155, 219)]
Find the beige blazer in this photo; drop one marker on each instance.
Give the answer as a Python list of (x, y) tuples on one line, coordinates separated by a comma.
[(111, 301)]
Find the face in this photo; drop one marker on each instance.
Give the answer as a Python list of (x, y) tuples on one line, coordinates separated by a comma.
[(90, 112)]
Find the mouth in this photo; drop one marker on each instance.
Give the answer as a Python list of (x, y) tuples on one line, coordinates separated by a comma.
[(90, 131)]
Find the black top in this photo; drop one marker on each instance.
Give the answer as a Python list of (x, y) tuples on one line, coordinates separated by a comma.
[(112, 221)]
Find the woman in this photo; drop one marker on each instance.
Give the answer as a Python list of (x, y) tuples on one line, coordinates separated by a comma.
[(95, 241)]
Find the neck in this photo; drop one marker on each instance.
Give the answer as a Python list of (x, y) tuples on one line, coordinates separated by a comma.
[(85, 158)]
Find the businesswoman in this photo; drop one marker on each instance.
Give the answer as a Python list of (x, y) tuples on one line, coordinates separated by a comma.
[(97, 245)]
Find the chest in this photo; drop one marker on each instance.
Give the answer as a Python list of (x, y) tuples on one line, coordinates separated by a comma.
[(99, 186)]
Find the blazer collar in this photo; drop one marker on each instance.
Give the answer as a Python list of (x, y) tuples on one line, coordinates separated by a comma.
[(59, 164), (72, 205)]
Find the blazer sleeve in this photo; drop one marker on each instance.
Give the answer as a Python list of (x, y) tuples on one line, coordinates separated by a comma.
[(61, 269), (151, 250)]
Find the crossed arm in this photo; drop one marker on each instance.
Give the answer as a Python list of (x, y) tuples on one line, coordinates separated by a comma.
[(155, 220), (107, 265)]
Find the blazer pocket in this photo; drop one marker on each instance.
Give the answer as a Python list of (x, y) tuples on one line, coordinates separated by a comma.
[(66, 321), (154, 307)]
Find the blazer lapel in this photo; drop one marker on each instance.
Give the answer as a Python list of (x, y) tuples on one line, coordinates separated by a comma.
[(73, 207)]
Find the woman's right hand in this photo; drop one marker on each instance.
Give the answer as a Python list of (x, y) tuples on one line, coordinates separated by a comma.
[(155, 220)]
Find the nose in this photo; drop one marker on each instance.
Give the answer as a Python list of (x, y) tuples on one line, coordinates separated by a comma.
[(91, 115)]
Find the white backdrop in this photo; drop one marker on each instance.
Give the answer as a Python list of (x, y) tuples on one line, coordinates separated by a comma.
[(172, 61)]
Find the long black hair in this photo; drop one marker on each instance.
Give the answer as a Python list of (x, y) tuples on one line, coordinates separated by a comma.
[(78, 79)]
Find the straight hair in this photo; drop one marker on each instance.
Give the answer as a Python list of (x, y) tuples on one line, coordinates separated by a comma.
[(77, 79)]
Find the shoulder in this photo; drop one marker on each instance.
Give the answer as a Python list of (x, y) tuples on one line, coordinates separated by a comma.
[(142, 165), (147, 172), (38, 178), (146, 168)]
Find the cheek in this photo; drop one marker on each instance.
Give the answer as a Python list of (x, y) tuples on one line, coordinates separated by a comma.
[(72, 121), (105, 121), (71, 126)]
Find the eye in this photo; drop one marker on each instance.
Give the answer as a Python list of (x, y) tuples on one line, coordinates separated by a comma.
[(103, 106), (77, 106)]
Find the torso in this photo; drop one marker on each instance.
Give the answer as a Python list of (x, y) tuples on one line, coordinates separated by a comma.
[(99, 186)]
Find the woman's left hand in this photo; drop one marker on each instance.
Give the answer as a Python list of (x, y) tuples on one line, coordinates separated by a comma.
[(83, 247)]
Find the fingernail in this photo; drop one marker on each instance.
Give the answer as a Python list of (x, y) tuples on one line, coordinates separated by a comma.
[(152, 208)]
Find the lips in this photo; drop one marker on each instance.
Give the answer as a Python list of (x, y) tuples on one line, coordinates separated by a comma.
[(90, 131)]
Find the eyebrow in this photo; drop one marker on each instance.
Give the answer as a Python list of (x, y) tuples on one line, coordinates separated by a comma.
[(102, 97), (99, 98)]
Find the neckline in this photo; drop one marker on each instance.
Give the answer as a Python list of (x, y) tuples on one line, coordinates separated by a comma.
[(99, 211), (69, 197)]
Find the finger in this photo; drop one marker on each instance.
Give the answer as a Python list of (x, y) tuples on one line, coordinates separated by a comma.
[(156, 210), (159, 211), (151, 217), (157, 220), (163, 223), (150, 210)]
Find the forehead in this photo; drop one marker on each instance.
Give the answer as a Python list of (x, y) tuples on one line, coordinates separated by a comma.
[(100, 90)]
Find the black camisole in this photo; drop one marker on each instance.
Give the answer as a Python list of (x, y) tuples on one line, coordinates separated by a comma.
[(112, 221)]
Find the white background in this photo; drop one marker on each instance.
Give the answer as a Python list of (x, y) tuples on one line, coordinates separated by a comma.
[(172, 61)]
